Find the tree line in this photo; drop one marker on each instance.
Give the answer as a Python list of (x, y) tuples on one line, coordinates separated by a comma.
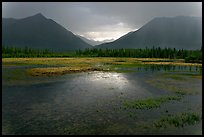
[(154, 52), (171, 53), (26, 52)]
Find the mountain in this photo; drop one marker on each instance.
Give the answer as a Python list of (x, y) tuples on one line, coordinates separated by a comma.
[(39, 32), (173, 32), (93, 42)]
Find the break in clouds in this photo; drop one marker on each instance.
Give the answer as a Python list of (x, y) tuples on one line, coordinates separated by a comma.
[(101, 20)]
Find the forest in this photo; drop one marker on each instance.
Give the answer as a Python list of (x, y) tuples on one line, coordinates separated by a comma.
[(193, 56)]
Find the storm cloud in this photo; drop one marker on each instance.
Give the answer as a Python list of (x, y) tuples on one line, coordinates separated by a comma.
[(101, 20)]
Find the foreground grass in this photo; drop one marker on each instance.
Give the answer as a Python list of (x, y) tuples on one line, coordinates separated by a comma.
[(151, 102), (179, 120)]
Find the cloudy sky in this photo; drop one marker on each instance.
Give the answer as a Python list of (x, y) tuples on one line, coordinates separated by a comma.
[(101, 20)]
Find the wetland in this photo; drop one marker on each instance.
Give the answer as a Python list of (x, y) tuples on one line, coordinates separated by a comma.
[(98, 96)]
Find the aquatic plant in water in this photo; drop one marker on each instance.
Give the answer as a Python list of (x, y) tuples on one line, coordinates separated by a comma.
[(150, 102), (179, 120)]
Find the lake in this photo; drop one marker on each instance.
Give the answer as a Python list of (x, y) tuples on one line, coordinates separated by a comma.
[(93, 102)]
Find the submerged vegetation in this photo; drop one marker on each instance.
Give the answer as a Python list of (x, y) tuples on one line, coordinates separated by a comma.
[(174, 82), (150, 102), (179, 120)]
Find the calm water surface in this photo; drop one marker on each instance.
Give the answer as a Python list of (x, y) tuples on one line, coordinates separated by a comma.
[(91, 103)]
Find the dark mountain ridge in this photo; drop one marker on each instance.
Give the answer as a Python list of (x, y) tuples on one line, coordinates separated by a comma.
[(171, 32), (39, 32)]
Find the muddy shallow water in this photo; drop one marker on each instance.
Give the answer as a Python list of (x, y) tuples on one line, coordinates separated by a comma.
[(91, 103)]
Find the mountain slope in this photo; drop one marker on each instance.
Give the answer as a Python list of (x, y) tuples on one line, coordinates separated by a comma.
[(93, 42), (39, 32), (173, 32)]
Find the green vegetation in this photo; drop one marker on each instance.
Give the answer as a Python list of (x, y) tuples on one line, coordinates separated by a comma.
[(14, 74), (181, 76), (59, 70), (60, 66), (122, 61), (143, 53), (179, 120), (194, 56), (174, 82), (150, 102), (26, 52)]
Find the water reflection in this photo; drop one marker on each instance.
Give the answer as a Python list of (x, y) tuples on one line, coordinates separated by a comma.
[(109, 80), (92, 86)]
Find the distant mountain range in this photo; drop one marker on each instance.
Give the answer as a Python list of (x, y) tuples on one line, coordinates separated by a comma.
[(93, 42), (173, 32), (39, 32)]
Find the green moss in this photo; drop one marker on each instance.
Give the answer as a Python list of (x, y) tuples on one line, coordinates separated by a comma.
[(150, 102), (178, 120)]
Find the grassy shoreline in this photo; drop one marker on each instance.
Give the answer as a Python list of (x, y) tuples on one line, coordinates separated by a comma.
[(60, 66)]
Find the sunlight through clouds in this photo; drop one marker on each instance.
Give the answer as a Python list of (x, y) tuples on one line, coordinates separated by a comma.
[(108, 32), (101, 20)]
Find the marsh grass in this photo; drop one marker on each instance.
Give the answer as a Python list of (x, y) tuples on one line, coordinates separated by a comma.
[(171, 63), (60, 70), (169, 60), (179, 120), (197, 77), (182, 76), (151, 102), (68, 61), (174, 82), (61, 66), (120, 61), (177, 77)]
